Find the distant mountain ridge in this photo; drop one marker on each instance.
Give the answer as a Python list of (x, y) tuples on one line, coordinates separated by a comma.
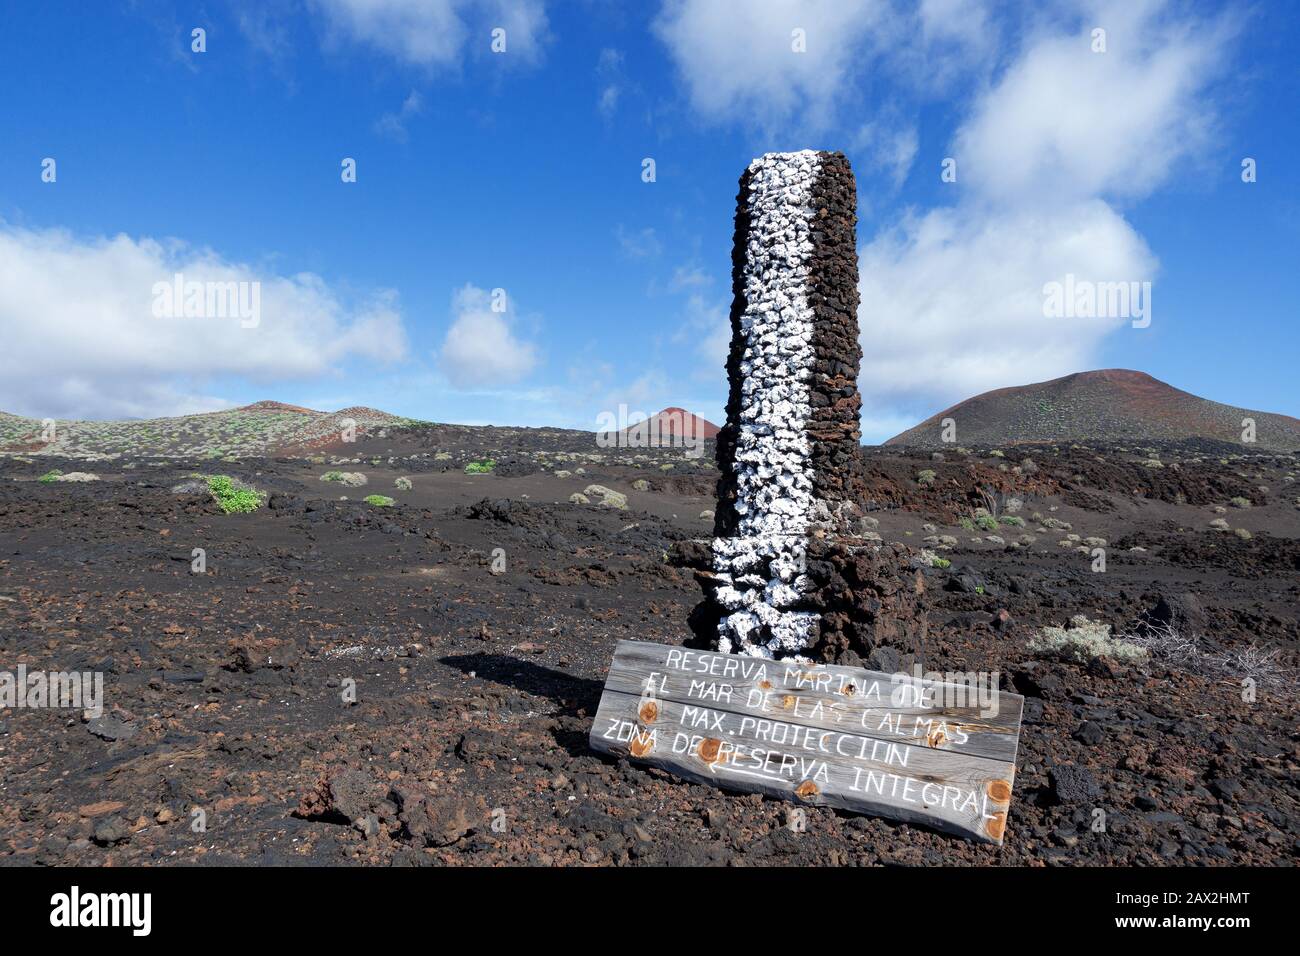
[(262, 428), (1106, 405)]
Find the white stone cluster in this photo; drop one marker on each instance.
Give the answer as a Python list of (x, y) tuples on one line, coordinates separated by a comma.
[(761, 569)]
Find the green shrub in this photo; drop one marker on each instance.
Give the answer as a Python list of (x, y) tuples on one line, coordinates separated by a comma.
[(987, 522), (480, 467), (966, 524), (332, 476), (1240, 502), (231, 499), (925, 476), (50, 476), (379, 501), (1014, 520)]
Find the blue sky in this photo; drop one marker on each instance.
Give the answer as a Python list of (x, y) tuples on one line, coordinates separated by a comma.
[(522, 171)]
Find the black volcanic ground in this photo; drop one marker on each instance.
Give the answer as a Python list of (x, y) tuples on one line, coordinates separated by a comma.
[(476, 690)]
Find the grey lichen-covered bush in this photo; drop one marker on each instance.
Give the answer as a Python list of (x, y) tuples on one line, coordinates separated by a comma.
[(350, 479), (609, 498), (402, 484), (1240, 502), (1083, 640)]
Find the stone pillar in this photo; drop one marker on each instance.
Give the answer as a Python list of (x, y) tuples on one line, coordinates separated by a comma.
[(792, 573)]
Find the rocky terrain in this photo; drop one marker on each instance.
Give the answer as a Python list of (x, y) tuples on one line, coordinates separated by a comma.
[(1108, 405), (351, 681)]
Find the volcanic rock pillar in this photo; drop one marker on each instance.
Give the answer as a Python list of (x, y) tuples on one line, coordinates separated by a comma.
[(783, 577)]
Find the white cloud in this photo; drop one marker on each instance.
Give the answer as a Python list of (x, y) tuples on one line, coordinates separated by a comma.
[(607, 104), (609, 73), (890, 149), (393, 125), (737, 59), (952, 300), (481, 351), (435, 33), (82, 340), (689, 277), (706, 328), (963, 24), (1066, 123), (643, 244), (952, 304)]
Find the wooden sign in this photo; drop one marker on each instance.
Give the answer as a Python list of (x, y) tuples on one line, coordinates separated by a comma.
[(938, 753)]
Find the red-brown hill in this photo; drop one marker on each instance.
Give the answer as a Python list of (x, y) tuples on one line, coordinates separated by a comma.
[(1104, 406), (674, 422)]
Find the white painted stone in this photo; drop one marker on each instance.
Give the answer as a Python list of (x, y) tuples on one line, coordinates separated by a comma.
[(774, 481)]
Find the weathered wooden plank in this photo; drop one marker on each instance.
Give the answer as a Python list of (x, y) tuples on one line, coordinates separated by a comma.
[(827, 696), (712, 738)]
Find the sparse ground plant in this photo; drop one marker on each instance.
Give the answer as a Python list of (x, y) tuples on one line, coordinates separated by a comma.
[(50, 476), (1083, 640), (232, 498), (1167, 643), (609, 498), (379, 501), (352, 479)]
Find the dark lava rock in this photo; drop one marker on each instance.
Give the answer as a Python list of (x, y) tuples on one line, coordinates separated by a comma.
[(1090, 733), (1182, 612), (1074, 785), (347, 796), (436, 820), (110, 728), (1226, 789), (111, 831)]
